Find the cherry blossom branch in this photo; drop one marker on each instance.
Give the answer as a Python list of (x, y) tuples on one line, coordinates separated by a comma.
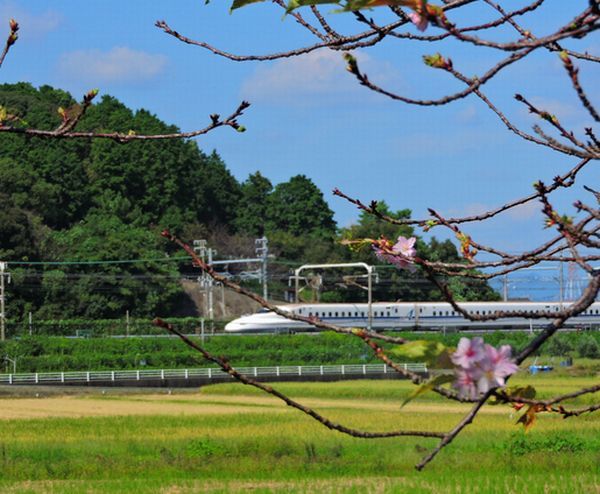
[(450, 436), (343, 43), (574, 75), (553, 120), (503, 395), (313, 321), (10, 40), (583, 24), (564, 181), (558, 317), (472, 84), (548, 405), (120, 137), (588, 297), (226, 367), (367, 336), (413, 376), (72, 117)]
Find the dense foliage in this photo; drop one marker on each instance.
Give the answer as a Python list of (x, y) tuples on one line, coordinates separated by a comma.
[(99, 201), (43, 353)]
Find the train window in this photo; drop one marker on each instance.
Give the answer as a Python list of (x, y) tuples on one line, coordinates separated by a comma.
[(434, 313), (310, 314), (388, 313), (330, 314)]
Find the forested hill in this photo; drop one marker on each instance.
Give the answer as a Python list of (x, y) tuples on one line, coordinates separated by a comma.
[(99, 200)]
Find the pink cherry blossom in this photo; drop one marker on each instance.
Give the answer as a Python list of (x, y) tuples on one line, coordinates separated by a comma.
[(465, 383), (406, 247), (498, 365), (419, 20), (481, 367), (469, 353), (402, 253)]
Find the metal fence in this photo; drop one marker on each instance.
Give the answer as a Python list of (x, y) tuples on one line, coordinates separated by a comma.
[(209, 374)]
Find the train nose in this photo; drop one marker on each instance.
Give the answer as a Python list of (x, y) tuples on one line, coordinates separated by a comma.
[(233, 326)]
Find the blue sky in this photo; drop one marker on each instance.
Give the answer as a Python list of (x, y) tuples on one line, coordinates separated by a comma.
[(308, 114)]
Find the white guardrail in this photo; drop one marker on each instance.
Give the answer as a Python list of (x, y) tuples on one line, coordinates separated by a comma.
[(203, 373)]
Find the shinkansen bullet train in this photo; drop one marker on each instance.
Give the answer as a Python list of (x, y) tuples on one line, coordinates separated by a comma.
[(407, 316)]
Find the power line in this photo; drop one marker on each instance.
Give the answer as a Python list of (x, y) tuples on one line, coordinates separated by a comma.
[(115, 261)]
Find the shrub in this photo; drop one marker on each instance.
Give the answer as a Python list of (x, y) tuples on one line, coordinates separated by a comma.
[(588, 347), (559, 346)]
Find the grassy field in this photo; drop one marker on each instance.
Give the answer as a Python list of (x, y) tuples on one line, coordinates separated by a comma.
[(229, 438)]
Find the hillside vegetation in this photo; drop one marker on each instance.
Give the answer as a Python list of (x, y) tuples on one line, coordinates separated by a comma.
[(93, 202)]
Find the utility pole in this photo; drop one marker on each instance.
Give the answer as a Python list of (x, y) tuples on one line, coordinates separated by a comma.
[(206, 282), (561, 281), (262, 251), (4, 278), (209, 286), (200, 249)]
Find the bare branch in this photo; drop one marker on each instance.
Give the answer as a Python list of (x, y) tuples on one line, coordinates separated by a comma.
[(313, 321), (65, 133), (223, 364), (450, 436)]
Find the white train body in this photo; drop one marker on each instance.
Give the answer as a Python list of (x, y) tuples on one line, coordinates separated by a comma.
[(406, 316)]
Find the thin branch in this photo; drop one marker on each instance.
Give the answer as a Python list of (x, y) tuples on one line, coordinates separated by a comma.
[(223, 364), (588, 297), (574, 75), (450, 436), (10, 40), (313, 321), (216, 121), (502, 395), (564, 181)]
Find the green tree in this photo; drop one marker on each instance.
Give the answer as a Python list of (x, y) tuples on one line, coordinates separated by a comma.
[(144, 288), (298, 208), (252, 207)]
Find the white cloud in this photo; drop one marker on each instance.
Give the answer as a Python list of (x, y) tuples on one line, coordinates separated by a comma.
[(559, 108), (120, 64), (317, 74), (31, 26), (454, 142), (525, 211)]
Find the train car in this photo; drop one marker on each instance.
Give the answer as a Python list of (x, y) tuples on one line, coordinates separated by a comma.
[(407, 316)]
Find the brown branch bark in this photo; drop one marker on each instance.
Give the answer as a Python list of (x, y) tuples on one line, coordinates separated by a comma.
[(223, 364)]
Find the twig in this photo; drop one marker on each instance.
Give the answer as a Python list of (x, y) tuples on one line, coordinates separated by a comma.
[(10, 40), (60, 133), (223, 364)]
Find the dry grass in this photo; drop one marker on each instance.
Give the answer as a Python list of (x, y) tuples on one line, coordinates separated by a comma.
[(196, 404)]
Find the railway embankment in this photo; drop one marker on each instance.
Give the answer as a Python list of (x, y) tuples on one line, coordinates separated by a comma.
[(58, 354)]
